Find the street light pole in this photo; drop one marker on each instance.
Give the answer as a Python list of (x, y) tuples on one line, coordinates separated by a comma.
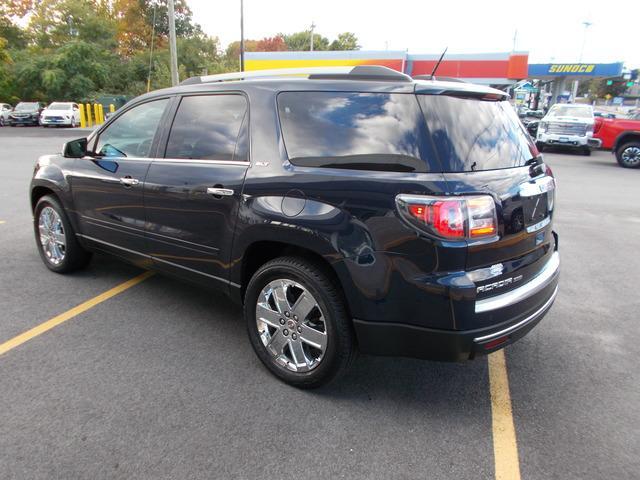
[(313, 25), (584, 40), (242, 35), (172, 43)]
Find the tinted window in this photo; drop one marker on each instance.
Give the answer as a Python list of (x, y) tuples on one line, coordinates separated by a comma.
[(373, 131), (131, 134), (207, 127), (472, 135)]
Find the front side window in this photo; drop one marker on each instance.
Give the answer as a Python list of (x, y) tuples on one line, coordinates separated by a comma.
[(473, 134), (361, 131), (208, 127), (131, 134)]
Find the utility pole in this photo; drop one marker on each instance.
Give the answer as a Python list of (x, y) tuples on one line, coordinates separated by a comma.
[(172, 43), (515, 39), (313, 25), (242, 35)]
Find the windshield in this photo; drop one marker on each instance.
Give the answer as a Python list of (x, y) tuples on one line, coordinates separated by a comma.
[(26, 106), (471, 135), (570, 111), (59, 106)]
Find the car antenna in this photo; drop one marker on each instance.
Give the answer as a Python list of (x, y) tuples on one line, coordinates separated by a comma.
[(438, 64)]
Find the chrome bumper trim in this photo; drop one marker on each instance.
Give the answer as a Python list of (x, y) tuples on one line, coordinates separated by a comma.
[(521, 323), (518, 294)]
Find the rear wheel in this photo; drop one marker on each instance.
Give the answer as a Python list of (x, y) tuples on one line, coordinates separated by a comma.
[(297, 322), (56, 240), (628, 155)]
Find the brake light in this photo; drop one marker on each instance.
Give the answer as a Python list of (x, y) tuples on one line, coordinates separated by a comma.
[(453, 218)]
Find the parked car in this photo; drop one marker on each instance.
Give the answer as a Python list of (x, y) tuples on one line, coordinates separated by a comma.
[(351, 208), (604, 115), (26, 113), (61, 113), (622, 137), (531, 126), (568, 126), (5, 110)]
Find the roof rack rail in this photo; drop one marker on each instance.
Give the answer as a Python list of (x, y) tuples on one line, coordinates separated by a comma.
[(360, 72), (441, 79)]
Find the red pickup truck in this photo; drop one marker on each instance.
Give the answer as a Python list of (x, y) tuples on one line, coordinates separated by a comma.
[(622, 136)]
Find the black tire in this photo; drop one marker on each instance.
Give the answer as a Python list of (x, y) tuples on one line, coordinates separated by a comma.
[(340, 344), (586, 151), (75, 257), (621, 150), (540, 147)]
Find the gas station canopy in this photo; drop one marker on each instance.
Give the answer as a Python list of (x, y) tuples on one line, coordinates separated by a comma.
[(550, 71)]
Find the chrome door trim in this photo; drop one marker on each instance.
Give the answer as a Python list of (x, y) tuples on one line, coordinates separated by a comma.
[(144, 255)]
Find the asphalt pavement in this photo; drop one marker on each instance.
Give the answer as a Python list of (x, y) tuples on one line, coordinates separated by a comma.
[(160, 381)]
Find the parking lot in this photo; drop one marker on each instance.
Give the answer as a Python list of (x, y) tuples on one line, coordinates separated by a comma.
[(159, 379)]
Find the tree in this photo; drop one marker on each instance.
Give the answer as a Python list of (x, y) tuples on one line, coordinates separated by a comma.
[(300, 41), (345, 41)]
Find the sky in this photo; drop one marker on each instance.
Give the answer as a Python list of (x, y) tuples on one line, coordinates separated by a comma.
[(551, 31)]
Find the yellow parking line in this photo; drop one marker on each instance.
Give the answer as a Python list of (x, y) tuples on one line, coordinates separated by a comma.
[(69, 314), (2, 222), (505, 446)]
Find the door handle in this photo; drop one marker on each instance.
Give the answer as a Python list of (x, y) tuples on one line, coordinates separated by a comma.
[(129, 182), (219, 192)]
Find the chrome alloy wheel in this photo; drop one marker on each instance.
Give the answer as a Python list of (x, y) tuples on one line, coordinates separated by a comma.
[(631, 156), (52, 236), (291, 325)]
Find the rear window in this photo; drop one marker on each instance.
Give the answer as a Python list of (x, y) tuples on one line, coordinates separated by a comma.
[(472, 135), (361, 131)]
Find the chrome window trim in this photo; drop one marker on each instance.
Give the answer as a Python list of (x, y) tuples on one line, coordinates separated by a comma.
[(525, 291), (197, 160), (521, 323)]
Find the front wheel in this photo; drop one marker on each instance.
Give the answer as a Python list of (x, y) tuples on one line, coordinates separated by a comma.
[(297, 322), (628, 155), (586, 151), (56, 240)]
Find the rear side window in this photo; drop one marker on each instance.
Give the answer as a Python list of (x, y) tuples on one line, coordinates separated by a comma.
[(207, 127), (362, 131), (471, 134)]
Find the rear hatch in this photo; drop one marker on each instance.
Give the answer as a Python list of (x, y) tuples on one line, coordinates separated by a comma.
[(484, 149)]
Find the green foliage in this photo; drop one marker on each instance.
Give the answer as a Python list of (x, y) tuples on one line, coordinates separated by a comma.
[(81, 49), (345, 41)]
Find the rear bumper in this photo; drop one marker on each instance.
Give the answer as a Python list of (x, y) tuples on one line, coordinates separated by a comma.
[(513, 315)]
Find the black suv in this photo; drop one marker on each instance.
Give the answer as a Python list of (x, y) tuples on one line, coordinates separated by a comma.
[(350, 209)]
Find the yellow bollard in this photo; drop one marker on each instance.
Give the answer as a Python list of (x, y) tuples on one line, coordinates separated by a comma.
[(96, 112), (89, 122), (112, 108), (83, 118), (101, 108)]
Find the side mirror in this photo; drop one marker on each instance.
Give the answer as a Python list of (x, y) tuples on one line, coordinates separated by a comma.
[(75, 148)]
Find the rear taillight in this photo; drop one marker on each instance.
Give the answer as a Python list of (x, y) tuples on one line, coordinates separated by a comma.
[(455, 218)]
